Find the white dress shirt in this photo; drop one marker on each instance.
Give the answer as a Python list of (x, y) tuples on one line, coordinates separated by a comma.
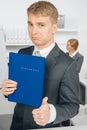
[(44, 52), (73, 54)]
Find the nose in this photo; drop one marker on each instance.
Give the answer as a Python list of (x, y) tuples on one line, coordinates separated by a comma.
[(34, 30)]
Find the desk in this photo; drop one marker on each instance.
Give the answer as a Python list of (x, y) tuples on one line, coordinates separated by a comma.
[(67, 128)]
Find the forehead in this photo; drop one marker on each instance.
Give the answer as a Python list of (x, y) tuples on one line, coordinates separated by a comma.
[(68, 43), (38, 18)]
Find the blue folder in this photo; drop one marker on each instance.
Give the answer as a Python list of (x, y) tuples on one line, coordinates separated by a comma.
[(28, 72)]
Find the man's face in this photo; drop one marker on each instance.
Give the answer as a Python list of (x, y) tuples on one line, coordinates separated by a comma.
[(69, 47), (41, 30)]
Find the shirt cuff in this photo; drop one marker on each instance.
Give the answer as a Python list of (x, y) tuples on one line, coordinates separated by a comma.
[(52, 113)]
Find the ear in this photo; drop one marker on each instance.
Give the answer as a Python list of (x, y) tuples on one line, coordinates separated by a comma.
[(55, 28)]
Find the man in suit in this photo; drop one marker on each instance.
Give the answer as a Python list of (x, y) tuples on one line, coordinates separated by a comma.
[(72, 46), (61, 84)]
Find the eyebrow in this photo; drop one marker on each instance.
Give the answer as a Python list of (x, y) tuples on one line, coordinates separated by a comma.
[(36, 23)]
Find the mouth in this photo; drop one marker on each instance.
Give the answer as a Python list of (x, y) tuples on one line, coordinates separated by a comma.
[(35, 38)]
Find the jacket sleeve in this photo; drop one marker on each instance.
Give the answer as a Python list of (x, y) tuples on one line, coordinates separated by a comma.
[(79, 62), (69, 97)]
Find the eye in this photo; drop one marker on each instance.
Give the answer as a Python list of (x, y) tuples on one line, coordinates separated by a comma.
[(41, 25), (30, 24)]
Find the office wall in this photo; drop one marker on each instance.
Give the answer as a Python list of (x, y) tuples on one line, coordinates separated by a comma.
[(3, 59), (13, 15)]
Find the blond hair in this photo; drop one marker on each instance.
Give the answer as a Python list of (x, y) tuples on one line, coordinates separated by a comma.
[(74, 43), (44, 8)]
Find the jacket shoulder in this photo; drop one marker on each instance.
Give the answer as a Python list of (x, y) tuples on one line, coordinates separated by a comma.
[(80, 55), (27, 50)]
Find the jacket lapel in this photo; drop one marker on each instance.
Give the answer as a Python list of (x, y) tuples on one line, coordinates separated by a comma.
[(52, 57), (75, 56)]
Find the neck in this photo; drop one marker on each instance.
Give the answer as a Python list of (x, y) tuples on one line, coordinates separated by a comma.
[(71, 52), (41, 47)]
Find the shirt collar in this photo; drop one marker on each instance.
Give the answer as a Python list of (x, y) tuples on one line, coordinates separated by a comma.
[(44, 52), (74, 54)]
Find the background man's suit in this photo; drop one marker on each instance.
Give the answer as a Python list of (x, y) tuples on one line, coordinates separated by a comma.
[(61, 86), (79, 60)]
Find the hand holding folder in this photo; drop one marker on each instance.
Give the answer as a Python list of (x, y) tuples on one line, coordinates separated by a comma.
[(28, 72)]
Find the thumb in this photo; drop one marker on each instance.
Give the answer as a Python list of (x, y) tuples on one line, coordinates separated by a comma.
[(44, 101)]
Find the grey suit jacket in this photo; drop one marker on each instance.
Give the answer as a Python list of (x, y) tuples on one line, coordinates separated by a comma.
[(79, 60), (61, 86)]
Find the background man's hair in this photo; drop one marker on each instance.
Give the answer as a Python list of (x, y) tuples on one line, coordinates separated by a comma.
[(74, 43)]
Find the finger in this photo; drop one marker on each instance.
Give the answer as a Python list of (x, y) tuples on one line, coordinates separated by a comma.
[(44, 101), (9, 82), (11, 85), (35, 111), (8, 90), (40, 122)]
